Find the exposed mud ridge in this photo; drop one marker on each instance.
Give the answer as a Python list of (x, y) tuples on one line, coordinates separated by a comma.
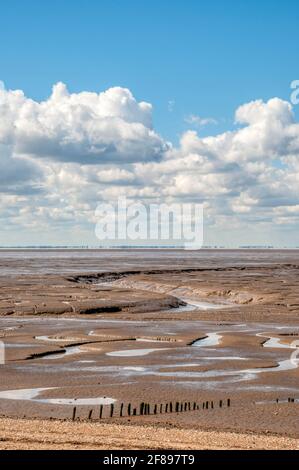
[(64, 349), (191, 343), (90, 278), (90, 311), (52, 295), (115, 276), (182, 292), (214, 283), (45, 353)]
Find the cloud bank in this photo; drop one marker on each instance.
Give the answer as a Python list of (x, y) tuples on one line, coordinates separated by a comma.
[(61, 156), (80, 127)]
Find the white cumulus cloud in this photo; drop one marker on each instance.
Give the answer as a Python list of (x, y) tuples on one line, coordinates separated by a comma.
[(80, 127), (61, 156)]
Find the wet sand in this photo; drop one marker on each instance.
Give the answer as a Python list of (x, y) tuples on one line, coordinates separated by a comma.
[(192, 327)]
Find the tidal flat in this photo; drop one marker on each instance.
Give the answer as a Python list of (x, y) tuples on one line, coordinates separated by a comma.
[(207, 340)]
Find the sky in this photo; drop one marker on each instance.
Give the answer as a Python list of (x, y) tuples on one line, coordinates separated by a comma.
[(165, 101)]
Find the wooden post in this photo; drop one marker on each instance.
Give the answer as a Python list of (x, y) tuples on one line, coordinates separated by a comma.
[(177, 407), (161, 408), (134, 411), (194, 406), (155, 409), (111, 410), (90, 414), (129, 409), (228, 402), (220, 403), (74, 414), (170, 407), (166, 408), (207, 405), (121, 410), (101, 411), (212, 404), (141, 408)]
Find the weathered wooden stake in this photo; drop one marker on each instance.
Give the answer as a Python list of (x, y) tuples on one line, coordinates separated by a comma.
[(74, 413), (121, 409), (177, 407), (170, 407), (220, 403), (155, 409), (141, 408), (101, 411), (90, 414), (228, 402), (161, 408), (111, 410), (129, 409)]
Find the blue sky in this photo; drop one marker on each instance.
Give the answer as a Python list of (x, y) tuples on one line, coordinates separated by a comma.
[(208, 57), (199, 64)]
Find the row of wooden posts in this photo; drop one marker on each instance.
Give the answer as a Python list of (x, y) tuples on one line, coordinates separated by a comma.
[(146, 409), (290, 400)]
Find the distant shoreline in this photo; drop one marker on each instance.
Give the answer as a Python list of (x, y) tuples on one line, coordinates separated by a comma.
[(144, 248)]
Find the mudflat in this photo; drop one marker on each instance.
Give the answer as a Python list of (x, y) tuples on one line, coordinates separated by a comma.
[(187, 343)]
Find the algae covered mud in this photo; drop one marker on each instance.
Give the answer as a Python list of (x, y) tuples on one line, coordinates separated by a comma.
[(95, 328)]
